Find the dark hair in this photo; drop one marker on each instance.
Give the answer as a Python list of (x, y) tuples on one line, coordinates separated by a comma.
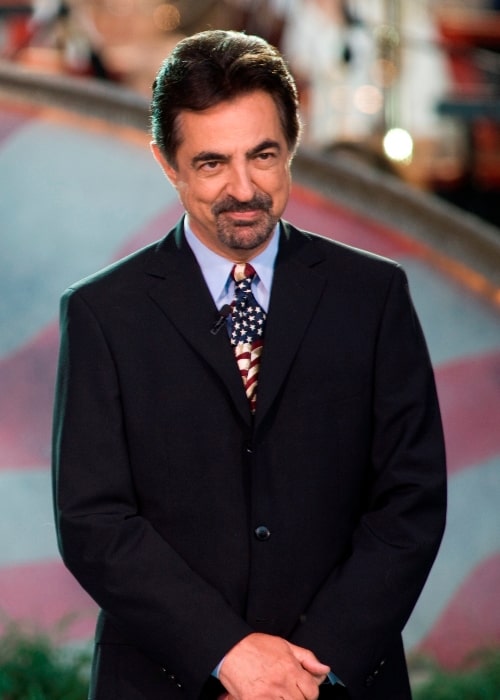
[(212, 66)]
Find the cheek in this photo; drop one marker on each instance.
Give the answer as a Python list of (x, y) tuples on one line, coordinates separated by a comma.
[(199, 196), (281, 190)]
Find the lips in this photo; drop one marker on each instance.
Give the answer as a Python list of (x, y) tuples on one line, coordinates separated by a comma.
[(242, 219), (248, 214)]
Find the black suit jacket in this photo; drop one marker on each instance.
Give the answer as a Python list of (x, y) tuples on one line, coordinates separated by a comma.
[(162, 477)]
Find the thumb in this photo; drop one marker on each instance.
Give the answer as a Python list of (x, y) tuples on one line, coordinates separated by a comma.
[(308, 660)]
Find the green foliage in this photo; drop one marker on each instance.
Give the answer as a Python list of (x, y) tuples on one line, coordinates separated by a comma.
[(32, 667), (481, 681)]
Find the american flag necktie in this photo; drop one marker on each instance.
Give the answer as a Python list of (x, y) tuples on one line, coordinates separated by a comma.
[(247, 333)]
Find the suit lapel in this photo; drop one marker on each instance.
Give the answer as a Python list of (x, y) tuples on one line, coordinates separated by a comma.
[(180, 291), (297, 288)]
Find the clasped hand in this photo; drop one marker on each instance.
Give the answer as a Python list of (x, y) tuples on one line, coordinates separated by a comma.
[(265, 667)]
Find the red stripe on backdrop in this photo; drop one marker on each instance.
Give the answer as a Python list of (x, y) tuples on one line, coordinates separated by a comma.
[(311, 211), (46, 597), (27, 379), (469, 394), (11, 120), (471, 620)]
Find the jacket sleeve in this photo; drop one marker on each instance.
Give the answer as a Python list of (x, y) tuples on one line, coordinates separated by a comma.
[(358, 614), (150, 594)]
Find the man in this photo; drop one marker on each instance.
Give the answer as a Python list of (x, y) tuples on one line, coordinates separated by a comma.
[(259, 541)]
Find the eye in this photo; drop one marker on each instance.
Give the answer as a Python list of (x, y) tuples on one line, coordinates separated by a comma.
[(209, 165), (265, 159)]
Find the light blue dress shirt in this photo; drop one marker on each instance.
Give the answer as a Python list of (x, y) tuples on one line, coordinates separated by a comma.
[(216, 269)]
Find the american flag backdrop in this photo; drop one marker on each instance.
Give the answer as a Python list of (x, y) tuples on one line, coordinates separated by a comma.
[(78, 194)]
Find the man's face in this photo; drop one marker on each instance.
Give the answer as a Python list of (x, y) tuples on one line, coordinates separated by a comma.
[(232, 173)]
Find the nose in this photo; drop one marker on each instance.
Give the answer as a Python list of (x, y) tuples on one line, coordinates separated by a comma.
[(240, 184)]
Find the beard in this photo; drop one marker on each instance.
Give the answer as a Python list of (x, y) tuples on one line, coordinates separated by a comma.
[(244, 234)]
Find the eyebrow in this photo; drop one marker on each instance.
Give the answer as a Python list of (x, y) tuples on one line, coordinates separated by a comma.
[(264, 146), (206, 156)]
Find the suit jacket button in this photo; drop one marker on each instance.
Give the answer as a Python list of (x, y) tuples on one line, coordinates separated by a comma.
[(262, 533), (369, 681)]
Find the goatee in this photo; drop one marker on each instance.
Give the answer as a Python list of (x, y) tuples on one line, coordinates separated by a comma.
[(245, 234)]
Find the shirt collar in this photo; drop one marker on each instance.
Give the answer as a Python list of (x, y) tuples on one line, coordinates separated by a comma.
[(216, 269)]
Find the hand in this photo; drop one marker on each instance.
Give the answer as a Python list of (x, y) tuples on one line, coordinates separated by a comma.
[(309, 661), (265, 667)]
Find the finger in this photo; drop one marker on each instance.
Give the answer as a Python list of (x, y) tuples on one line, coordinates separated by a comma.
[(309, 661), (309, 689), (319, 677)]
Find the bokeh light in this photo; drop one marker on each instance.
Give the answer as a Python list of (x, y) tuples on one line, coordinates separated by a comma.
[(166, 17), (368, 99), (398, 145)]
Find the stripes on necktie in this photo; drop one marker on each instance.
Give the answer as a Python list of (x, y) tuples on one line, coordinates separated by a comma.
[(248, 322)]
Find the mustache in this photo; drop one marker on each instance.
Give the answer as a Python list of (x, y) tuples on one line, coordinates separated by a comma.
[(230, 204)]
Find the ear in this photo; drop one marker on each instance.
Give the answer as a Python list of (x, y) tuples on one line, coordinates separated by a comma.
[(169, 171)]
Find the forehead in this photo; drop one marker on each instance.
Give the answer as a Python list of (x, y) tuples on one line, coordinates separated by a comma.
[(232, 125)]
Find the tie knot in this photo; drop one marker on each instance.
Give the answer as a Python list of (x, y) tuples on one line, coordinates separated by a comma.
[(242, 271)]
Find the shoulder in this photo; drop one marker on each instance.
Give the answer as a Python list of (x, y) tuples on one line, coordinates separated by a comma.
[(126, 275), (332, 257)]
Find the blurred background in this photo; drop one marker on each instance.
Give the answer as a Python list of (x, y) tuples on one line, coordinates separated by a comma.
[(401, 155), (415, 82)]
